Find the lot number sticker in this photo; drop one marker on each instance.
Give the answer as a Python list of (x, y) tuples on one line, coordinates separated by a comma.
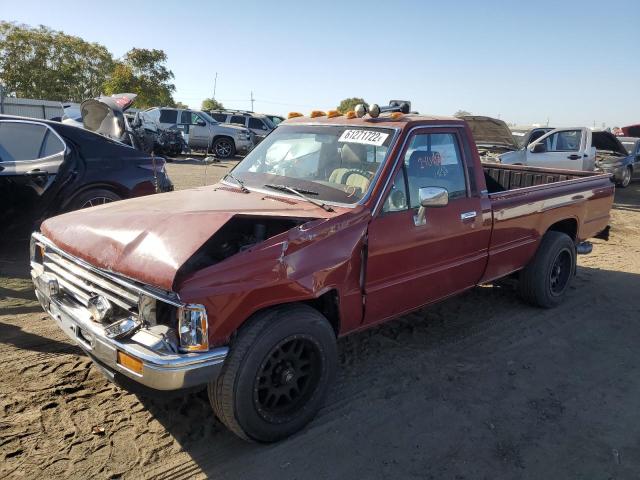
[(365, 137)]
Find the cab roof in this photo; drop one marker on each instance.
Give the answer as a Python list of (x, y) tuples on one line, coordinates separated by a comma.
[(385, 121)]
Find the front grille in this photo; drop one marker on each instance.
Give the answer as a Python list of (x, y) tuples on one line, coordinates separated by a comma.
[(81, 284)]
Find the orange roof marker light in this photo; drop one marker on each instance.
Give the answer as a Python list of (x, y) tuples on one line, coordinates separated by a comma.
[(333, 113), (350, 114), (317, 113), (294, 115), (397, 115)]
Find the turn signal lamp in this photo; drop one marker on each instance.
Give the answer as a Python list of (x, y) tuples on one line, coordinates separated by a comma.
[(318, 113), (130, 363), (397, 115), (294, 115), (333, 113)]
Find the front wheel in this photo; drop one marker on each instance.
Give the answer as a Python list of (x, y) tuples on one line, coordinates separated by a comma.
[(277, 374), (626, 178), (545, 280), (224, 148)]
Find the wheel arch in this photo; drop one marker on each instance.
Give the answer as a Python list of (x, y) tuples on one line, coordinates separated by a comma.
[(115, 188), (568, 226)]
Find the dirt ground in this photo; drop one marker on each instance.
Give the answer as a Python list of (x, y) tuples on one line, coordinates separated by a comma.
[(478, 387)]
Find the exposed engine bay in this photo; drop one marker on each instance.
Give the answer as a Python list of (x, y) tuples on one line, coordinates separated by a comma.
[(238, 234)]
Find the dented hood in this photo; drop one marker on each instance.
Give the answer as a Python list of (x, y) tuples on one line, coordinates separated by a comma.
[(149, 238)]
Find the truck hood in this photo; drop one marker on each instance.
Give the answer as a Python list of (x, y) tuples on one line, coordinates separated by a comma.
[(148, 239), (490, 131)]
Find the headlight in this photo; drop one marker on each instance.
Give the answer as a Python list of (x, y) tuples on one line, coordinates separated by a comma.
[(193, 328)]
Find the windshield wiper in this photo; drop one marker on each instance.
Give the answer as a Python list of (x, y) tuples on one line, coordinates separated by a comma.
[(301, 194), (239, 182)]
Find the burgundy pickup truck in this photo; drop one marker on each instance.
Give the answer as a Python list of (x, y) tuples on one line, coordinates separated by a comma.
[(331, 225)]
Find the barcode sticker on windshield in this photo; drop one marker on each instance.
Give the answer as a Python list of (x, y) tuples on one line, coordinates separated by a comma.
[(365, 137)]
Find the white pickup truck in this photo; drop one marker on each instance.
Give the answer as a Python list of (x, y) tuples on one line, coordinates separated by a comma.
[(568, 149)]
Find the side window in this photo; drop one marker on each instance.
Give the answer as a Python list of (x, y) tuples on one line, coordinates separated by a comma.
[(564, 141), (535, 135), (168, 116), (20, 141), (397, 198), (221, 117), (237, 119), (434, 160), (52, 145), (257, 124)]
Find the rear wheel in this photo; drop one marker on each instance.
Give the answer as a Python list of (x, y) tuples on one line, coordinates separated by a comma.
[(545, 280), (626, 178), (277, 374), (223, 148), (92, 198)]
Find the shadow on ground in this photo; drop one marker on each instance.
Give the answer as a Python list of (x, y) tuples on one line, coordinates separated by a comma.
[(480, 386)]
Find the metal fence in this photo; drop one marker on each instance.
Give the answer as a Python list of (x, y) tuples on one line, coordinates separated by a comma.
[(27, 107)]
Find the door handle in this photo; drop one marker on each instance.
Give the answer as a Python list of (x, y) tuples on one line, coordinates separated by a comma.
[(467, 216), (574, 157)]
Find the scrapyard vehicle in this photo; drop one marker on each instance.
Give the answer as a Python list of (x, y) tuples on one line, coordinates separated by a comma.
[(331, 225), (570, 149), (203, 132), (526, 135), (492, 137), (47, 168)]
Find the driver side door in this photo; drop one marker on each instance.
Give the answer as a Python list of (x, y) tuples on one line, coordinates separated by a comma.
[(411, 264)]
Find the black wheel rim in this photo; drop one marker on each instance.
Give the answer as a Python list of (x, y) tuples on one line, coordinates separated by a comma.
[(287, 378), (560, 272), (223, 149)]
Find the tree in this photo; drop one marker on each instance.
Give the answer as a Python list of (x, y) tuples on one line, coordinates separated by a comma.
[(350, 104), (211, 104), (143, 72), (461, 113), (181, 105), (48, 64)]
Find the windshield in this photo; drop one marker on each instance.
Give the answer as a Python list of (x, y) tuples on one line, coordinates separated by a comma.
[(629, 146), (327, 163), (208, 117), (520, 136)]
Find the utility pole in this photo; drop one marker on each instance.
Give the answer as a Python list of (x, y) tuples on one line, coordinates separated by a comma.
[(215, 83), (1, 99), (252, 100)]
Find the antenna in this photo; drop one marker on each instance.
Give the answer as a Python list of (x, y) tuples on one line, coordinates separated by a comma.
[(215, 84), (252, 100)]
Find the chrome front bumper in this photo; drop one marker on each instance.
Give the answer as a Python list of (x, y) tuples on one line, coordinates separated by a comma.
[(160, 371)]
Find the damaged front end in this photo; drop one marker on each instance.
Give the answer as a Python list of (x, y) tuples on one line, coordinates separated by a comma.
[(127, 328)]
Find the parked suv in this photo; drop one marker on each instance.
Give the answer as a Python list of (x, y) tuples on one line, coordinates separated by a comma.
[(201, 131), (259, 124)]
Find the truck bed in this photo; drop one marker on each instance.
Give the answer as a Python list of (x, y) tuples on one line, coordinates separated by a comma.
[(528, 201), (501, 178)]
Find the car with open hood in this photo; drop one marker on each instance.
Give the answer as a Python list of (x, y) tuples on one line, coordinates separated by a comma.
[(492, 136), (577, 148), (332, 224)]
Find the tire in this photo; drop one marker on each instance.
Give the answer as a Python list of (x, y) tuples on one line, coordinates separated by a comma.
[(290, 348), (92, 198), (223, 148), (626, 178), (546, 279)]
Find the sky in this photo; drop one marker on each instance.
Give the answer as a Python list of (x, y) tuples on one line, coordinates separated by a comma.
[(565, 62)]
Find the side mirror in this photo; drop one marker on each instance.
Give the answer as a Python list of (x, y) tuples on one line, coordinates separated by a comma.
[(201, 123), (430, 197), (539, 148)]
